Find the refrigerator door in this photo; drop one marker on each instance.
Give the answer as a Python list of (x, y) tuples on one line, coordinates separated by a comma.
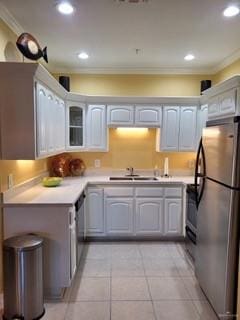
[(216, 239), (220, 144)]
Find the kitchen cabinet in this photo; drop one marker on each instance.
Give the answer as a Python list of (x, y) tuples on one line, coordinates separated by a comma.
[(119, 216), (120, 115), (178, 132), (29, 120), (134, 116), (223, 104), (202, 117), (170, 129), (75, 125), (173, 216), (187, 130), (149, 216), (55, 224), (50, 120), (96, 129), (95, 212), (148, 116)]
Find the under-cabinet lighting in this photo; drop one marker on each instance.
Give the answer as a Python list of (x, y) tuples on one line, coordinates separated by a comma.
[(133, 132)]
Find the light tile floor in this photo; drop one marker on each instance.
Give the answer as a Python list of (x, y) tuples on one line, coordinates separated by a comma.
[(133, 280)]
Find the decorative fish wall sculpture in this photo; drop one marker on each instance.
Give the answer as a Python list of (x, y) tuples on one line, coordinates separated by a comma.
[(30, 48)]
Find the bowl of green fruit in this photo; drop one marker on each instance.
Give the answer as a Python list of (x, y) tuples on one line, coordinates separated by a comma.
[(51, 181)]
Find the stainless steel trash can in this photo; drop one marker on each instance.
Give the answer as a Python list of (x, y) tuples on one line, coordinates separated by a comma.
[(23, 278)]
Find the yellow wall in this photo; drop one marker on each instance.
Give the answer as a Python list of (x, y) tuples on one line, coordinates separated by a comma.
[(137, 85), (135, 149), (231, 70)]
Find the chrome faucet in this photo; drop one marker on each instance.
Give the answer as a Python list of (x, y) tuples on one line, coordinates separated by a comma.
[(131, 171)]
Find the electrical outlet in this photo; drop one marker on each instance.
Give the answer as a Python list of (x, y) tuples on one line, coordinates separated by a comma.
[(10, 181), (97, 163)]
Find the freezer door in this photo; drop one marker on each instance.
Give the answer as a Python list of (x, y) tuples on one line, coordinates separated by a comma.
[(220, 144), (215, 252)]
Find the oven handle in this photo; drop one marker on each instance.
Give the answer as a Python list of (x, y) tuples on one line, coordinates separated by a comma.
[(191, 235)]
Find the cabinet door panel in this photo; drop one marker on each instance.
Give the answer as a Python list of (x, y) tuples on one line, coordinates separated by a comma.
[(227, 102), (202, 117), (148, 115), (95, 211), (96, 127), (213, 108), (173, 216), (75, 126), (120, 115), (42, 132), (170, 129), (149, 216), (187, 135), (119, 215), (51, 122)]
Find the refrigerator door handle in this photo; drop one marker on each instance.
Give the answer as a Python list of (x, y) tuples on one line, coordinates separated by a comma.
[(199, 194)]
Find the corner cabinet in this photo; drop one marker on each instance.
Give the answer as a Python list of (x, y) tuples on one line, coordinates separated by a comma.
[(178, 132), (50, 120), (32, 112), (75, 125)]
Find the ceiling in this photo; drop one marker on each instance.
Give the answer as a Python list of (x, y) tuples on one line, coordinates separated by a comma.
[(110, 32)]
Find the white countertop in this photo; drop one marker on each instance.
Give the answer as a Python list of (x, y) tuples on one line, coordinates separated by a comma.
[(71, 188)]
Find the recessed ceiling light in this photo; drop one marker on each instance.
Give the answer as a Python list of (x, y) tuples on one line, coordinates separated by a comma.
[(231, 11), (83, 56), (65, 7), (189, 57)]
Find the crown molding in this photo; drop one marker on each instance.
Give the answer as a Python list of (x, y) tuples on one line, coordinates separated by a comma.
[(9, 19), (133, 70), (227, 61)]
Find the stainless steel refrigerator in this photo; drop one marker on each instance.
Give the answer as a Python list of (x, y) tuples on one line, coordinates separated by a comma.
[(217, 196)]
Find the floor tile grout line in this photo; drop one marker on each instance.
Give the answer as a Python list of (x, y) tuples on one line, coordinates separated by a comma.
[(149, 291)]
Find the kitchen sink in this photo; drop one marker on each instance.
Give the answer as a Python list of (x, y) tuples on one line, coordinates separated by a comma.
[(145, 179), (121, 178), (133, 179)]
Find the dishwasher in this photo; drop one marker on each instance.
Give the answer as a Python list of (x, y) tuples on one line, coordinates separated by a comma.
[(80, 227)]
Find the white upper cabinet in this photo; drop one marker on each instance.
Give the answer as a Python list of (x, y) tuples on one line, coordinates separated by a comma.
[(134, 116), (188, 124), (42, 118), (178, 132), (120, 115), (170, 129), (148, 116), (213, 108), (75, 126), (29, 114), (50, 122), (60, 125), (96, 130), (227, 102), (202, 116)]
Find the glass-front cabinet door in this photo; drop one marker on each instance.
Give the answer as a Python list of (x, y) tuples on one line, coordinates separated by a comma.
[(76, 126)]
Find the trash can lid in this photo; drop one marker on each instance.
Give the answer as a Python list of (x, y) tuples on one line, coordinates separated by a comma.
[(23, 242)]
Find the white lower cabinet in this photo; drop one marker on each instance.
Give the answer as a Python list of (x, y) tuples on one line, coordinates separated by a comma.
[(56, 225), (149, 216), (119, 216), (120, 211), (95, 212), (173, 217)]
